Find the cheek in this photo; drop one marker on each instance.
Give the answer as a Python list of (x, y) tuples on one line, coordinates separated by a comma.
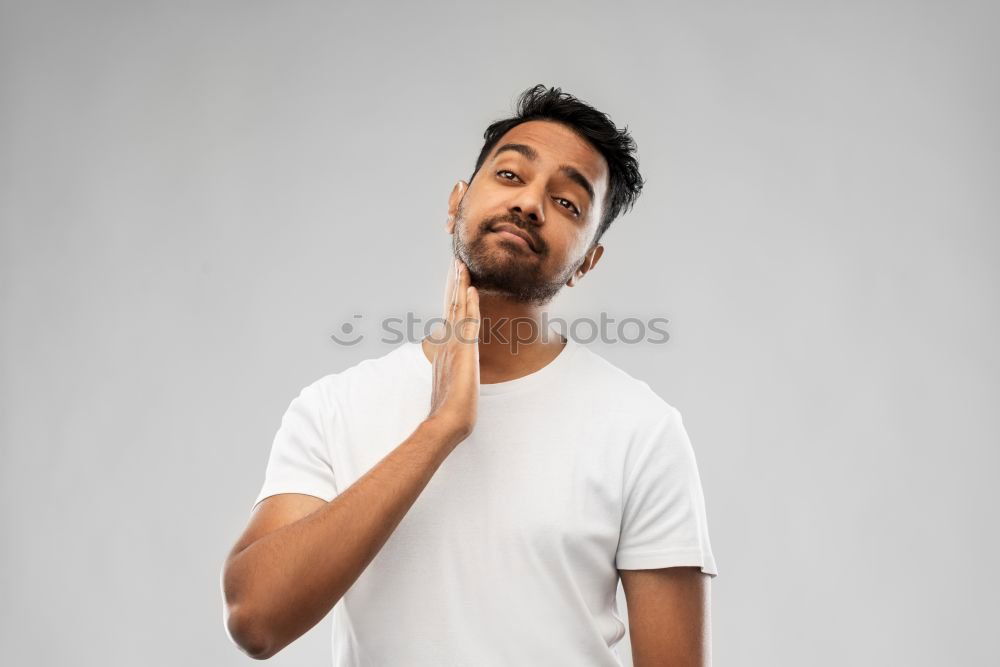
[(563, 248), (467, 226)]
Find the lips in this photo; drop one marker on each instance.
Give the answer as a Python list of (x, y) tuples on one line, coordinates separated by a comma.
[(516, 231)]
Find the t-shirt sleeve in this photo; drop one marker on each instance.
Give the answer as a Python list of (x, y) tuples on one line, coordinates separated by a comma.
[(664, 523), (300, 460)]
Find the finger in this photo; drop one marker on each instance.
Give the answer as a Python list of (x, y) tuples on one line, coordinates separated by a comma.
[(472, 314), (460, 296), (456, 292), (449, 288), (438, 329)]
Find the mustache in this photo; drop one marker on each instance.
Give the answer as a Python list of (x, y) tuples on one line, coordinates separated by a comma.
[(490, 223)]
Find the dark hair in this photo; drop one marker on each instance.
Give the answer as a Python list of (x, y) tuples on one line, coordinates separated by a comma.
[(617, 146)]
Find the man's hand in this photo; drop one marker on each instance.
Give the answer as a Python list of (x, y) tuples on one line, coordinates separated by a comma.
[(455, 391)]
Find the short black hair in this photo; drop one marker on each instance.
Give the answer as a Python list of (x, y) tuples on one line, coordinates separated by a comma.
[(617, 146)]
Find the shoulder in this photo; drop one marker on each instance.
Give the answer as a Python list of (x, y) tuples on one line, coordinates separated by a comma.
[(614, 390), (378, 372)]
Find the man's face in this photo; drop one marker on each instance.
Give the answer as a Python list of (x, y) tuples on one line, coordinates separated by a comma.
[(550, 187)]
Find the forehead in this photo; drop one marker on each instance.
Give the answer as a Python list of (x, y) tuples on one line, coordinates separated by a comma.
[(559, 145)]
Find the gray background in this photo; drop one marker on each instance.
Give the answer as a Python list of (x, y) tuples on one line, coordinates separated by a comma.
[(194, 195)]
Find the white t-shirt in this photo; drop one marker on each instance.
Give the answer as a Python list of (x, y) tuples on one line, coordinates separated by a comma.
[(509, 555)]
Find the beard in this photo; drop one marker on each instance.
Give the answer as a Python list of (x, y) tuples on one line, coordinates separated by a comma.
[(502, 266)]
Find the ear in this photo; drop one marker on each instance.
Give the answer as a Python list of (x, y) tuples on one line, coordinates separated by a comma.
[(454, 199), (589, 262)]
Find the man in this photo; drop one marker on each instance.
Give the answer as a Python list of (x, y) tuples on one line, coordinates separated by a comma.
[(469, 503)]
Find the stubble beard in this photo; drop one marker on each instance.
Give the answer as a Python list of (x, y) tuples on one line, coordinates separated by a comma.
[(495, 268)]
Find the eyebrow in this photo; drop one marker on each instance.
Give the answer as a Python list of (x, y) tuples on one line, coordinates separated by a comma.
[(572, 172)]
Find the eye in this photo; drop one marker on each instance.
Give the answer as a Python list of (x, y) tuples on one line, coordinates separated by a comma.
[(571, 205), (508, 171)]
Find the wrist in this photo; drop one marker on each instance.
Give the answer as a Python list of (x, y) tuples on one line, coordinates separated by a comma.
[(444, 430)]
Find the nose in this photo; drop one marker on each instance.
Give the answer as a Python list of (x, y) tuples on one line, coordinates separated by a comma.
[(529, 206)]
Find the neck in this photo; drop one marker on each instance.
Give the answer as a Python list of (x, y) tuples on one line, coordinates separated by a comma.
[(512, 342)]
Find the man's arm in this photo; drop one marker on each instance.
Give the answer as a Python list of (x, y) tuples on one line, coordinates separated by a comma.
[(669, 616), (300, 554)]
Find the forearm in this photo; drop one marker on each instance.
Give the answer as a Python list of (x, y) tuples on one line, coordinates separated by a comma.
[(287, 581)]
